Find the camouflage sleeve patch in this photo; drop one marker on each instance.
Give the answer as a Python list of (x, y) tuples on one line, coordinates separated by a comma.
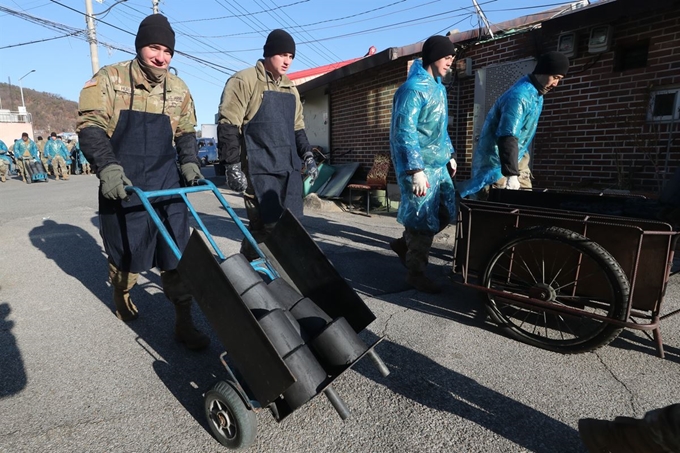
[(90, 83)]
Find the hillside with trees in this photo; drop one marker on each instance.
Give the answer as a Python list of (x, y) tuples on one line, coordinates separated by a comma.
[(50, 112)]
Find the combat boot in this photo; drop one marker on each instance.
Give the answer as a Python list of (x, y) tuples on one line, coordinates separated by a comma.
[(122, 283), (185, 331), (623, 435), (179, 294), (399, 247), (422, 283), (126, 311)]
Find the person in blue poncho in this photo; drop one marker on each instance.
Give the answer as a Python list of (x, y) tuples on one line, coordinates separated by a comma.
[(25, 151), (57, 156), (501, 159), (5, 161), (421, 149), (84, 163)]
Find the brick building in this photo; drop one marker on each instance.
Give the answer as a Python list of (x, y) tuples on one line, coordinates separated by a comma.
[(612, 123)]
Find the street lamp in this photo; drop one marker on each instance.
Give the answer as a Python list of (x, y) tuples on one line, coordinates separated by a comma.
[(22, 88)]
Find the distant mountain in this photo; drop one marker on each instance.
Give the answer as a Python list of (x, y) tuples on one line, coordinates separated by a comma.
[(50, 112)]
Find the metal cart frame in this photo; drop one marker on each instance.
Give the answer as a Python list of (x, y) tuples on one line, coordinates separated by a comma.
[(641, 249)]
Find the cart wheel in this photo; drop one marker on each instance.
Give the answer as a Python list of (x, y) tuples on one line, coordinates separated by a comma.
[(232, 423), (561, 267)]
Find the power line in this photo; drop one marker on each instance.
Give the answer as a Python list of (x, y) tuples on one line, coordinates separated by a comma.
[(242, 15), (338, 19), (191, 57), (407, 23), (42, 40)]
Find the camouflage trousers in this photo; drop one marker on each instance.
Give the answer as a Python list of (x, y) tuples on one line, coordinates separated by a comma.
[(59, 164), (4, 170), (524, 180), (174, 287)]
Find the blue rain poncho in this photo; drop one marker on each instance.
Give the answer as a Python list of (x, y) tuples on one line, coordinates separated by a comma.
[(515, 114), (20, 149), (56, 148), (4, 155), (419, 140)]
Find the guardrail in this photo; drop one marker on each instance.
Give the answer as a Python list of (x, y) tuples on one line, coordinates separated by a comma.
[(15, 117)]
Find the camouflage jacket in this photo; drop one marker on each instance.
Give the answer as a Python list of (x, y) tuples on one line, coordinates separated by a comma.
[(109, 92), (242, 96)]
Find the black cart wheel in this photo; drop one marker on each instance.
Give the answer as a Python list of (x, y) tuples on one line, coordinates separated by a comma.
[(232, 423), (560, 267)]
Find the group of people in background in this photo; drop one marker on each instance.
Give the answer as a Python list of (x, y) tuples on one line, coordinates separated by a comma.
[(58, 158)]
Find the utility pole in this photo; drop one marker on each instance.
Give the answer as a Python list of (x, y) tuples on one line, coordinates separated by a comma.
[(92, 36), (483, 16), (11, 99), (155, 6)]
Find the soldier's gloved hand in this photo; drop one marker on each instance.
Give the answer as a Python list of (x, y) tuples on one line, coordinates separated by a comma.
[(113, 182), (236, 179), (454, 167), (513, 183), (420, 184), (311, 169), (191, 172)]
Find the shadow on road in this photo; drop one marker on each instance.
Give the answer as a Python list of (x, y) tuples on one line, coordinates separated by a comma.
[(186, 374), (12, 372), (425, 381)]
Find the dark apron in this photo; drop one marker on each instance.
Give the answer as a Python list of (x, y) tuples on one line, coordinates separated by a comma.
[(142, 143), (273, 162)]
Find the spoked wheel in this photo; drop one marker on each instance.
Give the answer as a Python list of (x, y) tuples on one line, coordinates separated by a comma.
[(559, 267), (232, 423)]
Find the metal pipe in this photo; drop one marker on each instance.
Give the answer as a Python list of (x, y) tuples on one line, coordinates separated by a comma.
[(379, 364), (337, 402)]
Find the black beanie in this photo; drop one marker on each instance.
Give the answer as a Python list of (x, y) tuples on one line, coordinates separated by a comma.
[(155, 29), (278, 43), (436, 47), (552, 63)]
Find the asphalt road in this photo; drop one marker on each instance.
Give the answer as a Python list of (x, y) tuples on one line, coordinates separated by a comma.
[(73, 378)]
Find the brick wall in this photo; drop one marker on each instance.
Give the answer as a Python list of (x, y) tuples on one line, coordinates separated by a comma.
[(592, 133)]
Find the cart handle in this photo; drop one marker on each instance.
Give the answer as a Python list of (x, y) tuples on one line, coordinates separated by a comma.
[(202, 185)]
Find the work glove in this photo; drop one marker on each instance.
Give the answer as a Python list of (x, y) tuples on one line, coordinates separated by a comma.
[(191, 172), (113, 182), (513, 183), (454, 167), (236, 179), (420, 184), (311, 169)]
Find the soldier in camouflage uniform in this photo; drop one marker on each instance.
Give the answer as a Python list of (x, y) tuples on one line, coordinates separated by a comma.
[(262, 140), (57, 156), (24, 152), (130, 113), (40, 143)]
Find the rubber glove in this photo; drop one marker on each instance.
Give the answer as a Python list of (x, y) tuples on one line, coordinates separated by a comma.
[(113, 182), (420, 184), (513, 183), (311, 169), (454, 167), (191, 173), (236, 179)]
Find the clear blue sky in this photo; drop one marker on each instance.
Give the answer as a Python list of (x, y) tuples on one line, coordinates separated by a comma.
[(227, 34)]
